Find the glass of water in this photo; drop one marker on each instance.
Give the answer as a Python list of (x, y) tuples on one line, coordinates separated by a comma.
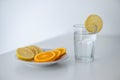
[(84, 43)]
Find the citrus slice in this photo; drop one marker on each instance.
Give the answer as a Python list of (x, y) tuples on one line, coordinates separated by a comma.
[(58, 54), (94, 23), (62, 51), (32, 49), (45, 56), (24, 54), (35, 49), (38, 48)]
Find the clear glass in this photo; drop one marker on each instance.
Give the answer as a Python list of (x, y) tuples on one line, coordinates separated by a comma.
[(84, 43)]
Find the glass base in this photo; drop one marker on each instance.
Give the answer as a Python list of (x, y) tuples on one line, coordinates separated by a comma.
[(84, 59)]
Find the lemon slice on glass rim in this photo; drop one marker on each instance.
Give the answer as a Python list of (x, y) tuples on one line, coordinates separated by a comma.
[(93, 23)]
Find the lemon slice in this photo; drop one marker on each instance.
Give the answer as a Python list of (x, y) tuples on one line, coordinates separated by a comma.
[(24, 54), (94, 23), (45, 56), (38, 48), (34, 50)]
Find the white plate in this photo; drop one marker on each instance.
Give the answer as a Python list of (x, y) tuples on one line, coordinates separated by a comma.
[(62, 59)]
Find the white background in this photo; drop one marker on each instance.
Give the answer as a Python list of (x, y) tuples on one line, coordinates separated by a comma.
[(23, 22)]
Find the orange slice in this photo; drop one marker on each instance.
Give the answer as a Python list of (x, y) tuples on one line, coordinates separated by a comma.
[(94, 23), (62, 51), (24, 54), (45, 56), (58, 54)]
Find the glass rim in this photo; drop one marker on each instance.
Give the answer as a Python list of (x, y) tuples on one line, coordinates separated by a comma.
[(79, 26), (82, 26)]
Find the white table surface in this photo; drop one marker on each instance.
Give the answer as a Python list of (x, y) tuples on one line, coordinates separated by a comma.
[(105, 67)]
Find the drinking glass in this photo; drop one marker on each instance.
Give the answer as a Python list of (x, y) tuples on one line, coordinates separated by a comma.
[(84, 43)]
